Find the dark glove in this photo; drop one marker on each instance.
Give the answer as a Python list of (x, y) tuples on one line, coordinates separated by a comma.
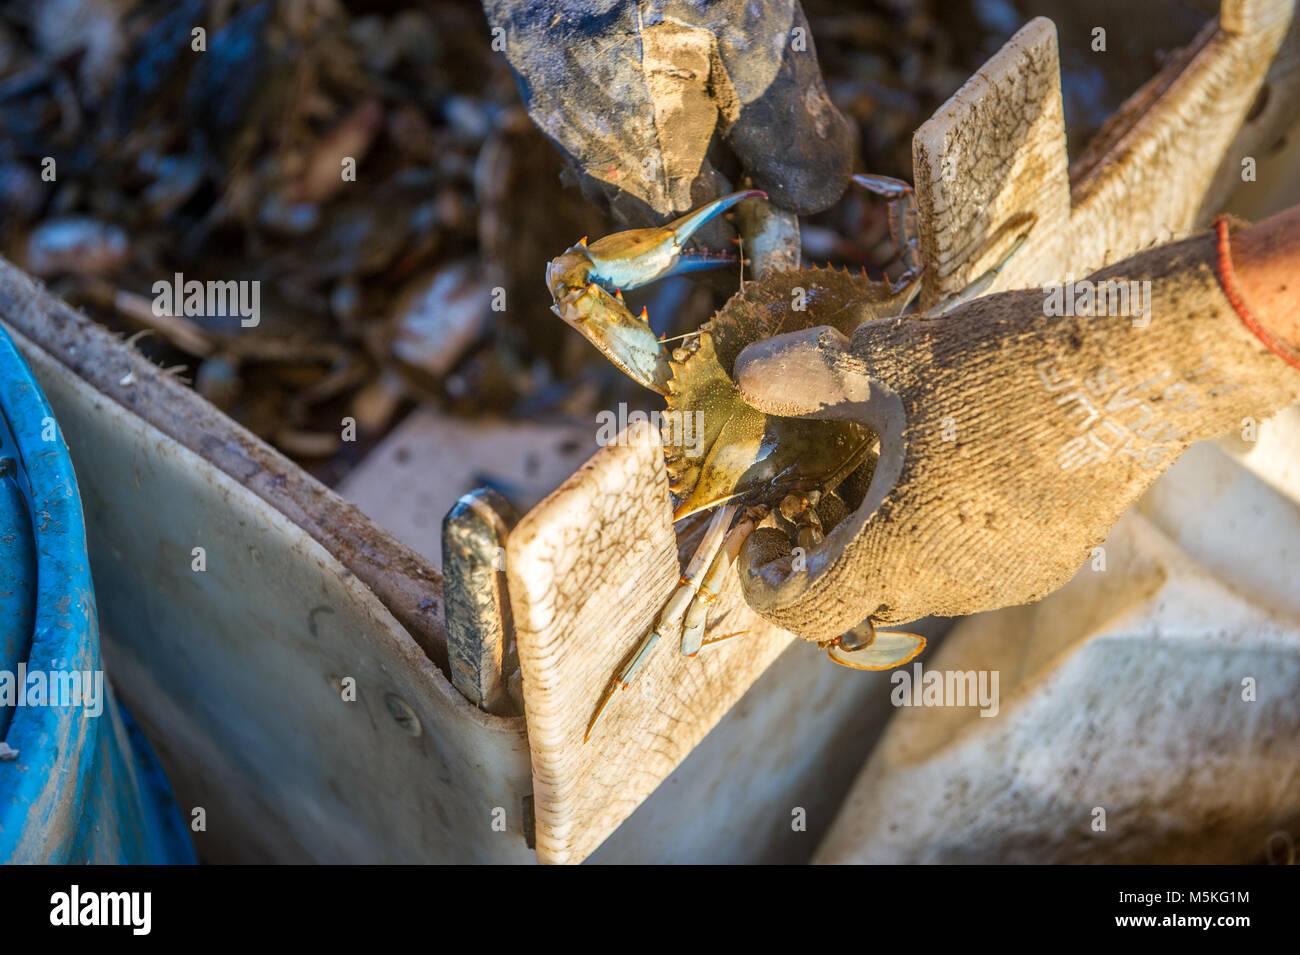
[(632, 94)]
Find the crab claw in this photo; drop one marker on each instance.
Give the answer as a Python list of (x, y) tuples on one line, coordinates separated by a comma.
[(582, 280), (625, 339), (639, 256)]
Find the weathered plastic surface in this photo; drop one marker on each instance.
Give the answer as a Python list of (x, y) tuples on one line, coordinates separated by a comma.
[(237, 671), (80, 787), (1148, 711), (1158, 169), (242, 669)]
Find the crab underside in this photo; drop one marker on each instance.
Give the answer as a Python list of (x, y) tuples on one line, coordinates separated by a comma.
[(744, 456)]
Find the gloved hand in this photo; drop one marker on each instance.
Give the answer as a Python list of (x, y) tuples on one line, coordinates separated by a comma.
[(1012, 439), (631, 93)]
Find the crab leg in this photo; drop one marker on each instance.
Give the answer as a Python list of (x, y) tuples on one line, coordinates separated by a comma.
[(902, 221), (903, 233), (586, 285), (698, 612), (713, 641), (673, 610)]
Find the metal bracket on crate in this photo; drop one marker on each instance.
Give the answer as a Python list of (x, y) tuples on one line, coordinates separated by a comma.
[(480, 632)]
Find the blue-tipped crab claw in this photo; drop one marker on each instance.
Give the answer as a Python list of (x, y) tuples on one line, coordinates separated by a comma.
[(586, 283), (627, 260)]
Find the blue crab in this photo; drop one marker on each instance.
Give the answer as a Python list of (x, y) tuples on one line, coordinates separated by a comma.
[(804, 474)]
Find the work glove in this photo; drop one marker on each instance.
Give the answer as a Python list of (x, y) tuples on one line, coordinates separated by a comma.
[(1012, 436), (632, 94)]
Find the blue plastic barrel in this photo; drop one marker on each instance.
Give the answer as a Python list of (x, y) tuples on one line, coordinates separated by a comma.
[(78, 781)]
